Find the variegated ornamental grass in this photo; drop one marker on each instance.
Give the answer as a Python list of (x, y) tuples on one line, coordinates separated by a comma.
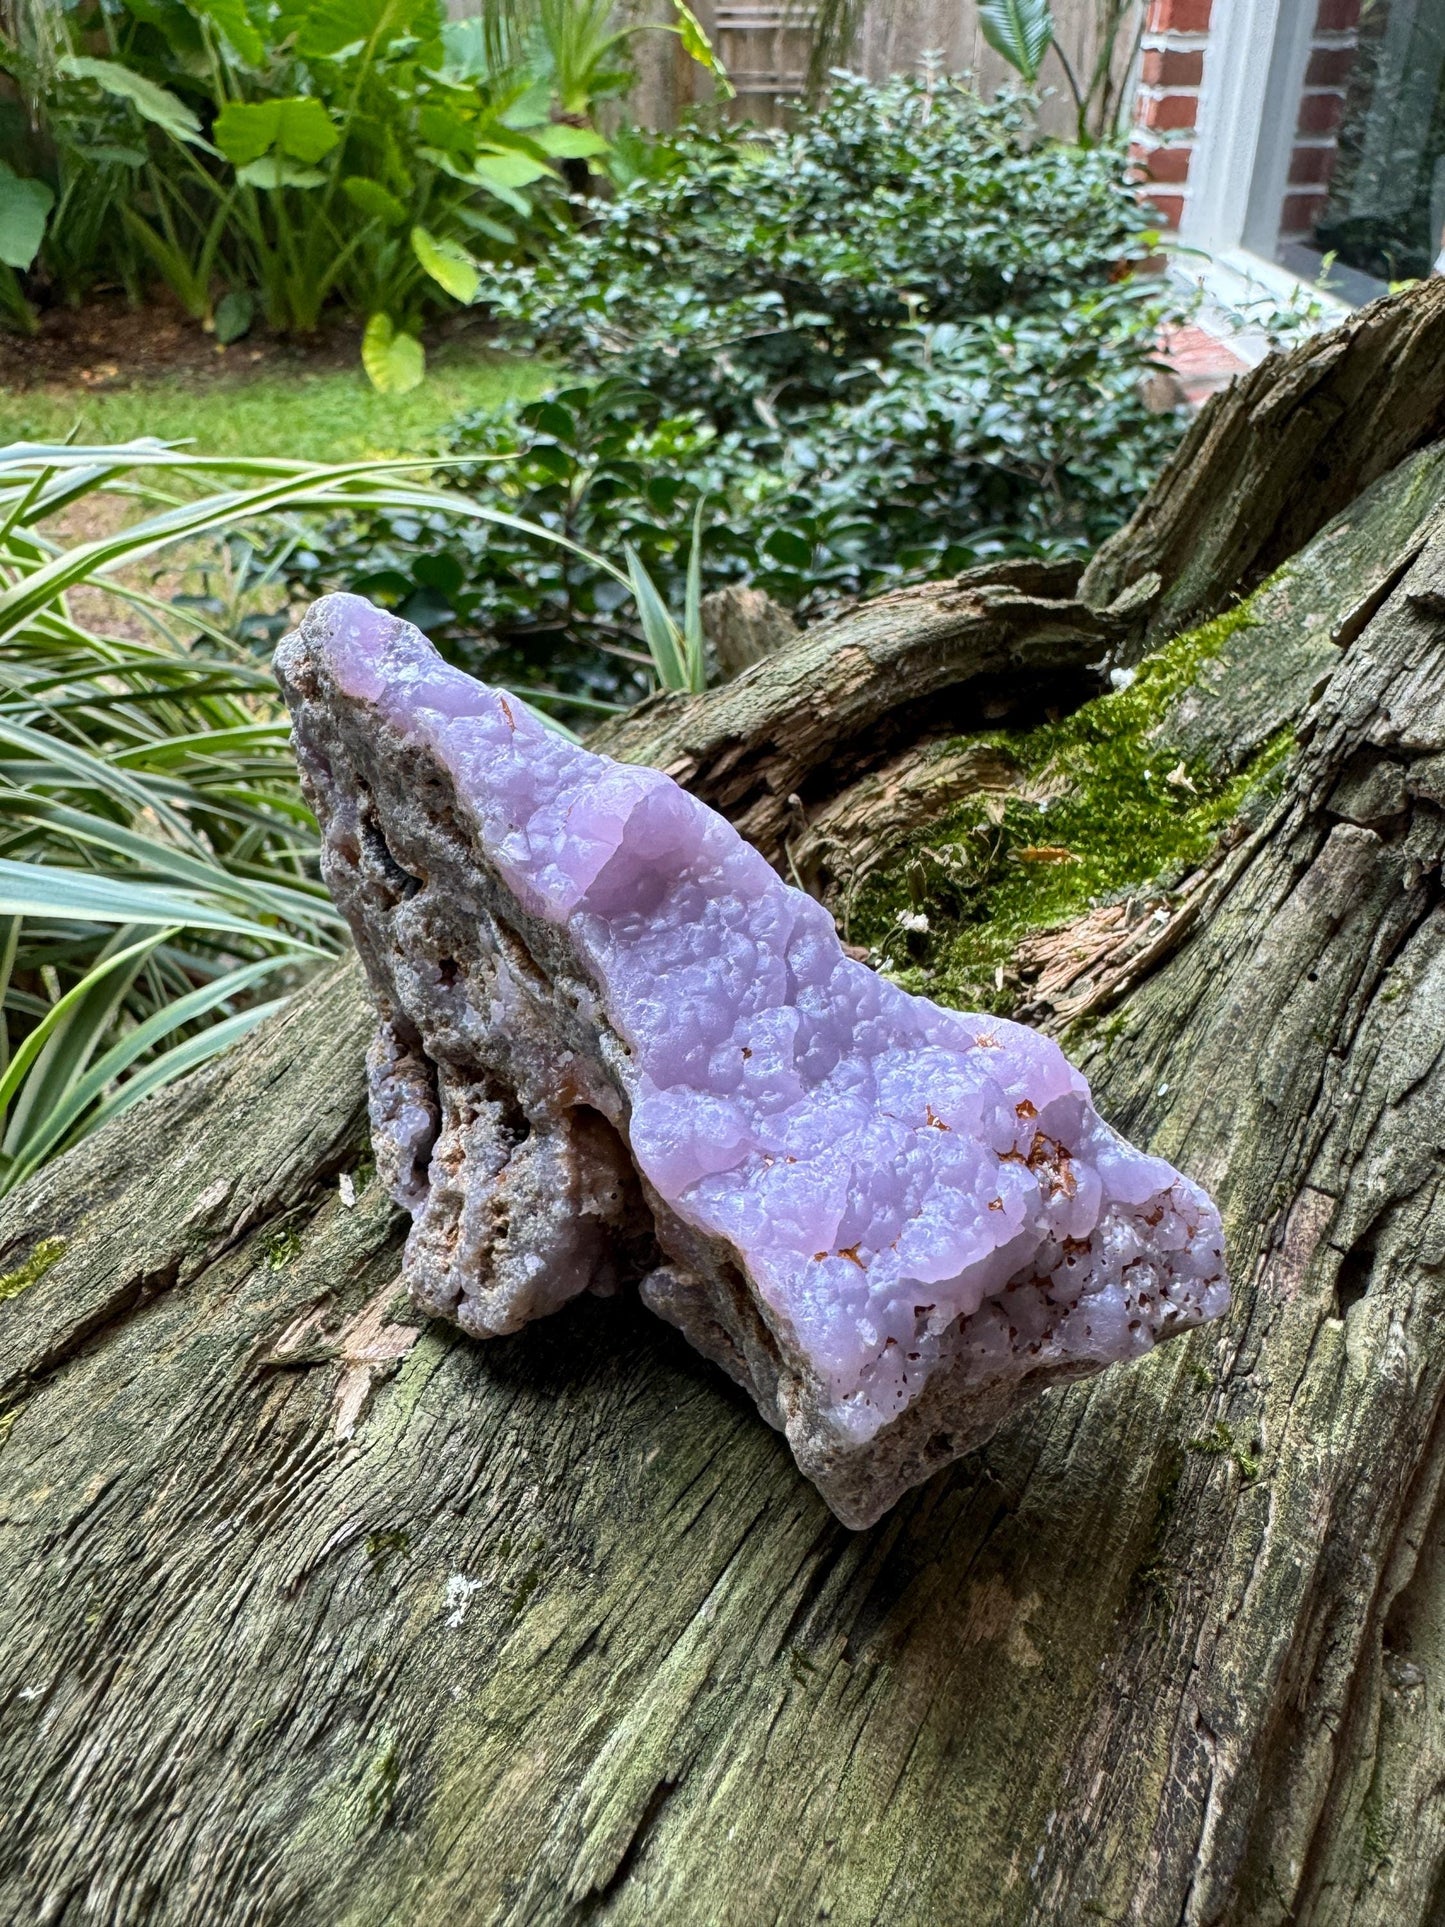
[(158, 884)]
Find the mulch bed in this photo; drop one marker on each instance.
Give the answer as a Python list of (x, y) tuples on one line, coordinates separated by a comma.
[(109, 344)]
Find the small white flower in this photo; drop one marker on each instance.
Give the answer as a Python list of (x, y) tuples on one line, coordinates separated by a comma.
[(913, 920)]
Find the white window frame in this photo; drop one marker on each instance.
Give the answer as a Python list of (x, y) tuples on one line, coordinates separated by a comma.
[(1254, 70)]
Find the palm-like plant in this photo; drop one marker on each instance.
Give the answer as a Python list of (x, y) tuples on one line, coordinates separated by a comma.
[(1023, 33), (159, 889), (255, 156)]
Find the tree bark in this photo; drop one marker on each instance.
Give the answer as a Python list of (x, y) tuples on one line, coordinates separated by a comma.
[(310, 1614), (1272, 458), (992, 646)]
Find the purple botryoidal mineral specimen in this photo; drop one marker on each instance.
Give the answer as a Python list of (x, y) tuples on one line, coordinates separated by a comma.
[(613, 1043)]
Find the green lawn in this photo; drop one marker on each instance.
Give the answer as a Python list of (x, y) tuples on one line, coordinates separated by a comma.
[(330, 416)]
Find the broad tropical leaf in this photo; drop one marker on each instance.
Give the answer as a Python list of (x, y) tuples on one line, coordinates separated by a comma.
[(176, 24), (438, 126), (329, 27), (274, 171), (231, 20), (697, 45), (24, 209), (374, 200), (509, 170), (1022, 31), (299, 127), (395, 362), (465, 49), (448, 264), (565, 143), (479, 223), (155, 104)]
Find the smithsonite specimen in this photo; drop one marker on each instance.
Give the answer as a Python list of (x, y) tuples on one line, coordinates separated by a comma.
[(613, 1044)]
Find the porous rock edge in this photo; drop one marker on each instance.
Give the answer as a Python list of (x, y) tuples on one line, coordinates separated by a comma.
[(451, 1106)]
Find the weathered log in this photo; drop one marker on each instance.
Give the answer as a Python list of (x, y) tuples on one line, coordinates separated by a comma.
[(846, 840), (745, 625), (993, 646), (1274, 457), (312, 1613)]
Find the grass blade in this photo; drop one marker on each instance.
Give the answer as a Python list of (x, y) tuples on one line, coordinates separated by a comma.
[(64, 1116), (664, 641), (41, 890), (35, 1042), (694, 642), (265, 899), (73, 1042), (184, 1057)]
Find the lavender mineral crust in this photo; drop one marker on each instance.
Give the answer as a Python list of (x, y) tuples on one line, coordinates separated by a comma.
[(614, 1043)]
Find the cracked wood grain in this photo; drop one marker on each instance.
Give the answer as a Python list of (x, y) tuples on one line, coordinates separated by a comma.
[(792, 731), (1273, 458)]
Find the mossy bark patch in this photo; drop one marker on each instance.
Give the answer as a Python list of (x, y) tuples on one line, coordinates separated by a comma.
[(1103, 802), (1132, 792), (47, 1253)]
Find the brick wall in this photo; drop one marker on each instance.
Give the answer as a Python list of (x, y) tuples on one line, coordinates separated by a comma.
[(1176, 39), (1175, 48)]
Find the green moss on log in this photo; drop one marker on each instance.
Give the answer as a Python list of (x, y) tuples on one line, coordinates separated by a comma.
[(1105, 804), (47, 1253)]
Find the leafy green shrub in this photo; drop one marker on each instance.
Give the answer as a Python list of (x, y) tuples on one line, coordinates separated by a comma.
[(750, 272), (1014, 436), (585, 461), (898, 341), (1018, 432)]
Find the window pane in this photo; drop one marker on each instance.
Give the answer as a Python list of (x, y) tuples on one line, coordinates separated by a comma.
[(1386, 209)]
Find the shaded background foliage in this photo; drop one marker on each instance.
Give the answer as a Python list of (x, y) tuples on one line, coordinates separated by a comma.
[(273, 158), (751, 267), (903, 337)]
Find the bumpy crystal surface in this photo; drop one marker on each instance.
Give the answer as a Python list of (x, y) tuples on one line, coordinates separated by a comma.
[(908, 1191)]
